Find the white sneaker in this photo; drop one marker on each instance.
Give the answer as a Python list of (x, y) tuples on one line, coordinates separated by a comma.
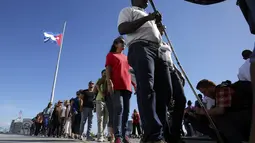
[(101, 140)]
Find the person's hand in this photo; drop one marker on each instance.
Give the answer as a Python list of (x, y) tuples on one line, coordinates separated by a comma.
[(155, 16), (110, 87)]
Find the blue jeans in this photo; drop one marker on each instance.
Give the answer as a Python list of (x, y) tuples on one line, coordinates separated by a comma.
[(87, 113), (121, 105), (155, 86), (109, 105)]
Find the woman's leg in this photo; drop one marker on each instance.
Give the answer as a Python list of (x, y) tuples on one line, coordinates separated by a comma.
[(36, 129), (99, 111), (118, 113), (126, 107), (109, 105), (105, 116), (134, 129), (139, 129)]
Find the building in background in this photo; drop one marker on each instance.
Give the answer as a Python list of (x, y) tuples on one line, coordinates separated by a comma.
[(21, 126)]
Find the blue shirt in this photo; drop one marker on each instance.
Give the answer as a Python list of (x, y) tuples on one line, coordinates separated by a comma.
[(47, 112), (76, 105)]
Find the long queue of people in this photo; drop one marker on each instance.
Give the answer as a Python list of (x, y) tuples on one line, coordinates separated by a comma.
[(109, 98), (159, 88), (67, 119)]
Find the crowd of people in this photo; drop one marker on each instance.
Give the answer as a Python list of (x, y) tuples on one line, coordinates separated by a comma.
[(67, 119), (159, 88)]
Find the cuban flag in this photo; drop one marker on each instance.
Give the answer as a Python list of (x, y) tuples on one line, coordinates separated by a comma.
[(49, 36)]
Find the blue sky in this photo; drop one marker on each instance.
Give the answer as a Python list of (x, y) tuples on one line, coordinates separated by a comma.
[(208, 41)]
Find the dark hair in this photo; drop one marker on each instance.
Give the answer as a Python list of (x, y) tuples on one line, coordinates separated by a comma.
[(200, 96), (116, 41), (205, 84), (103, 71), (246, 54), (189, 102)]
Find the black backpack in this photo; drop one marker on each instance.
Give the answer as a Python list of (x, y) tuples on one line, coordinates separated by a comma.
[(243, 94)]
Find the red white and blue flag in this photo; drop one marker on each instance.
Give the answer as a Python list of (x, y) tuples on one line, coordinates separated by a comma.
[(55, 38)]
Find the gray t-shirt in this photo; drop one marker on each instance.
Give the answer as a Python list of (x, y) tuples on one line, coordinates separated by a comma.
[(147, 31)]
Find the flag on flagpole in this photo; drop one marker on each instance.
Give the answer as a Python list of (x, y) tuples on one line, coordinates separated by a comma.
[(55, 38)]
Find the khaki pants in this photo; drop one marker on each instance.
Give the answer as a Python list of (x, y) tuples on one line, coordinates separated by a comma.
[(102, 118)]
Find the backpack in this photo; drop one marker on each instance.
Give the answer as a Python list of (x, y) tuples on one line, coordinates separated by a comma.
[(243, 94)]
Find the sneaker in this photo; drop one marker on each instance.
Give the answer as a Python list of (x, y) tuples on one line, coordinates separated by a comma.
[(126, 139), (101, 140), (118, 140)]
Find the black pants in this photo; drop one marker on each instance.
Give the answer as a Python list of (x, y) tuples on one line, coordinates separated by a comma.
[(154, 90), (76, 123), (234, 127), (56, 128), (37, 128), (179, 106), (136, 127)]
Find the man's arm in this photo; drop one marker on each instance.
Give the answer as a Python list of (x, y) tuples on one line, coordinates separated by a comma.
[(81, 105), (127, 25), (108, 74), (130, 27), (98, 84)]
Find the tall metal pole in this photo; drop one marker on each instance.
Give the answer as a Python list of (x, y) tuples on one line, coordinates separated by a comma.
[(57, 66)]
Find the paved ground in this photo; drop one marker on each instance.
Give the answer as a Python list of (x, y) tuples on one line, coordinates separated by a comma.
[(8, 138)]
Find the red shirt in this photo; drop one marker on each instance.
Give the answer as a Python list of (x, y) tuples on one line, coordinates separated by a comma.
[(136, 118), (120, 76), (224, 96)]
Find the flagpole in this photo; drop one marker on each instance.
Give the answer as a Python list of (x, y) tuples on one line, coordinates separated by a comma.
[(57, 66)]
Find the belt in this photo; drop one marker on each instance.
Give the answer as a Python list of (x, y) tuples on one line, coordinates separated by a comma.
[(145, 41)]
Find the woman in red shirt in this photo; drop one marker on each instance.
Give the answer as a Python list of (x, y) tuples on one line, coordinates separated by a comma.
[(119, 86), (136, 123)]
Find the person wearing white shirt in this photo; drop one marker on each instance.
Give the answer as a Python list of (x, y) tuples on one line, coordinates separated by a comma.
[(244, 70), (209, 102), (150, 62)]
